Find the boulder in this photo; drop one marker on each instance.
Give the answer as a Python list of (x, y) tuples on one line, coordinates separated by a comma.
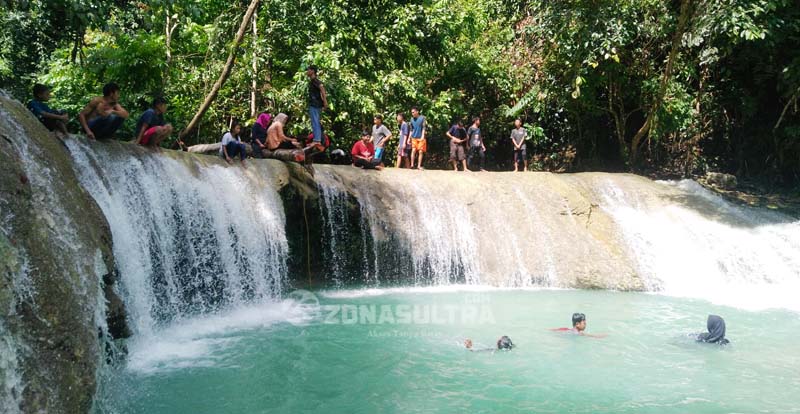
[(723, 181), (56, 250)]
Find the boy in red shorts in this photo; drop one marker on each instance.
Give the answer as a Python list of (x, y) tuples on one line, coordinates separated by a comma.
[(151, 128)]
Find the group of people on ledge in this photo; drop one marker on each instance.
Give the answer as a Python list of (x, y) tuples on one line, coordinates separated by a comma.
[(103, 116), (715, 334)]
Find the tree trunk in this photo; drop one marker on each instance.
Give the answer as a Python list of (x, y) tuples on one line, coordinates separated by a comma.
[(665, 76), (254, 85), (169, 29), (226, 70)]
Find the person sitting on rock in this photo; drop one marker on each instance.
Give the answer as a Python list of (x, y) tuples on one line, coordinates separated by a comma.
[(151, 128), (53, 120), (578, 327), (276, 139), (259, 134), (363, 153), (103, 115), (232, 145)]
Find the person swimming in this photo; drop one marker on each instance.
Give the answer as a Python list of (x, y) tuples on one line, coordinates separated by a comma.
[(716, 331), (503, 344), (578, 326)]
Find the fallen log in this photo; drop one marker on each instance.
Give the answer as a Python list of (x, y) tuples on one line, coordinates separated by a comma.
[(295, 155)]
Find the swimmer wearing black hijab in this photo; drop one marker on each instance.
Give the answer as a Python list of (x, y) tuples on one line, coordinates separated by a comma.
[(716, 331)]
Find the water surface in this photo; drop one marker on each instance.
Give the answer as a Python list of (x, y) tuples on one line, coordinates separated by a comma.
[(284, 357)]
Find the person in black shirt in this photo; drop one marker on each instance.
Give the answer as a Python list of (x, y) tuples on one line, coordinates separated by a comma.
[(458, 139), (476, 147)]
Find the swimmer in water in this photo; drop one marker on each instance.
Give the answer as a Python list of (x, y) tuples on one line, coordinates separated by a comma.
[(578, 327), (504, 343), (716, 331)]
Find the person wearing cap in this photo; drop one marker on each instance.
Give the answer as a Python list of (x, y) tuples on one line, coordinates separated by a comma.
[(317, 102)]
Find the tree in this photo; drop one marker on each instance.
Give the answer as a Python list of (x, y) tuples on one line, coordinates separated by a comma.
[(226, 70)]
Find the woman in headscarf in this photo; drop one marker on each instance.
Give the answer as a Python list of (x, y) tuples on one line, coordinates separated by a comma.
[(276, 138), (716, 331), (259, 134)]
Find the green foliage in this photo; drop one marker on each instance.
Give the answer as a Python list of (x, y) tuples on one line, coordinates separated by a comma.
[(585, 74)]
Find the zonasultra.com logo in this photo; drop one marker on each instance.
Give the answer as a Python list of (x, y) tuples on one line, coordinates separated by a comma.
[(474, 309)]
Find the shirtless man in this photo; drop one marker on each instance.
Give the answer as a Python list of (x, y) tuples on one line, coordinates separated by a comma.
[(103, 116)]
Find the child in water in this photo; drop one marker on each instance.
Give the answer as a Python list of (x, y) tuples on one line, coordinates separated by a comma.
[(578, 327), (504, 343)]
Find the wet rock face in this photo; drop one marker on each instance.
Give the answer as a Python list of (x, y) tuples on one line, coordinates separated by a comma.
[(348, 227), (723, 181), (56, 248)]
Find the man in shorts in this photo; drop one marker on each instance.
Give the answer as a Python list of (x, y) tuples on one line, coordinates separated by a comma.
[(458, 139), (404, 145), (151, 128), (518, 137), (419, 145), (380, 136)]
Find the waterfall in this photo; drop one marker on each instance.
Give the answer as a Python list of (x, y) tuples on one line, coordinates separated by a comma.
[(409, 244), (193, 236), (688, 241), (11, 383), (189, 238)]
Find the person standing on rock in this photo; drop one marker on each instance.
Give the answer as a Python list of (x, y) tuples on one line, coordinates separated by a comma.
[(419, 145), (103, 116), (458, 139), (476, 147), (518, 137), (380, 136), (317, 102), (404, 146)]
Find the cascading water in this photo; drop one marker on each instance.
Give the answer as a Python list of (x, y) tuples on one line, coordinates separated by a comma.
[(431, 241), (189, 239), (690, 242), (11, 383)]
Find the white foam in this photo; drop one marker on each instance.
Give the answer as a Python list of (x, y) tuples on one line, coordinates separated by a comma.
[(707, 248), (438, 289), (201, 341)]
